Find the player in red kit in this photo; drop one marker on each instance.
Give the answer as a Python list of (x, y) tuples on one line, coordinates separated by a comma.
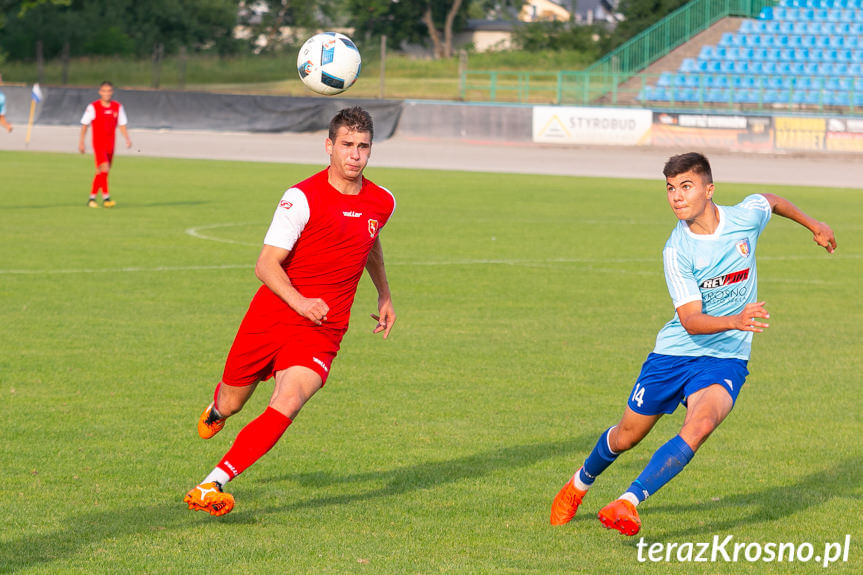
[(324, 232), (105, 115)]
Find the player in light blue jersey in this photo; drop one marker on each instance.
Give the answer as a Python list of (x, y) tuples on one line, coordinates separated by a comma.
[(700, 355), (3, 123)]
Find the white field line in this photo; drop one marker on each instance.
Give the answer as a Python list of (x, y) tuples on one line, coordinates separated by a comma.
[(196, 232)]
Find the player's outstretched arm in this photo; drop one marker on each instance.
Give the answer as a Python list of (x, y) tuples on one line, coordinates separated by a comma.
[(270, 271), (82, 146), (696, 322), (375, 266), (821, 232)]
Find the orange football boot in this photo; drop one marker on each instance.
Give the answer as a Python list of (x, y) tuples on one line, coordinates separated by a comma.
[(208, 426), (209, 497), (566, 503), (620, 515)]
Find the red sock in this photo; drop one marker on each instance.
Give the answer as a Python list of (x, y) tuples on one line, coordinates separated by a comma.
[(105, 194), (97, 184), (254, 440)]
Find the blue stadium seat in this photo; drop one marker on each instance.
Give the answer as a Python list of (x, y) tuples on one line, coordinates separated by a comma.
[(708, 53), (686, 95), (855, 69), (747, 27), (810, 68), (797, 68), (769, 13), (774, 82)]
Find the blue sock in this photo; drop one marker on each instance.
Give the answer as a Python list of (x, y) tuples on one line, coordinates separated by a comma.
[(666, 463), (598, 461)]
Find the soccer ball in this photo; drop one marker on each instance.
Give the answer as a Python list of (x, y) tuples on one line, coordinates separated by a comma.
[(329, 63)]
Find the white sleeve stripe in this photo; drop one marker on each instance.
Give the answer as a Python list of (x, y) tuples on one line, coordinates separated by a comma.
[(673, 271), (756, 202), (122, 120), (686, 300)]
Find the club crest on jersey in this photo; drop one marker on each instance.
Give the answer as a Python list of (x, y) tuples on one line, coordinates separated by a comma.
[(286, 204), (743, 247), (373, 227)]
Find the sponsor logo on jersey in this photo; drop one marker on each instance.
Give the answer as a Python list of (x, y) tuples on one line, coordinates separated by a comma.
[(322, 364), (373, 227), (727, 279), (743, 247), (353, 214), (286, 204)]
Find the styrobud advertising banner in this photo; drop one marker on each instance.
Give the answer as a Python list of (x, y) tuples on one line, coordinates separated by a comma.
[(726, 132), (608, 126)]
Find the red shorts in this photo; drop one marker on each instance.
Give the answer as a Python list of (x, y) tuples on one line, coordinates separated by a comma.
[(103, 156), (264, 346)]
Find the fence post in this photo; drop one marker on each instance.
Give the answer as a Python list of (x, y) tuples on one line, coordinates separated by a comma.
[(40, 62), (462, 73), (559, 96), (383, 81), (181, 62), (65, 57), (158, 51)]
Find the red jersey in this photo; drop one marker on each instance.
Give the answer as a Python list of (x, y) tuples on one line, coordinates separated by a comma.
[(330, 235), (104, 121)]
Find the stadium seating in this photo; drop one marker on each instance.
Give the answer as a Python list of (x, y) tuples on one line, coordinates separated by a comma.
[(800, 53)]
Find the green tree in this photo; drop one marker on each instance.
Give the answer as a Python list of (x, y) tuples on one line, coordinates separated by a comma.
[(435, 21), (640, 14), (95, 27)]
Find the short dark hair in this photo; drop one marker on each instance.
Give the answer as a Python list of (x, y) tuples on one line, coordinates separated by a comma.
[(106, 83), (354, 119), (689, 162)]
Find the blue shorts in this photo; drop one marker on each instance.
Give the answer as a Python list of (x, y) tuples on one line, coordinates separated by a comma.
[(666, 381)]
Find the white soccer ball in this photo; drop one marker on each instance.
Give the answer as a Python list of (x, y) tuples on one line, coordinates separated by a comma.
[(329, 63)]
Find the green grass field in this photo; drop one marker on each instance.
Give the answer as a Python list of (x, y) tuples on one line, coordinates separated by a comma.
[(526, 306)]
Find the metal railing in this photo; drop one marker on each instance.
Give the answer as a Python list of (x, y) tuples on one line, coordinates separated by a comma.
[(695, 91), (672, 31)]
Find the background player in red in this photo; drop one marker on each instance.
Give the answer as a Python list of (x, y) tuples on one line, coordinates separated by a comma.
[(106, 116), (323, 234)]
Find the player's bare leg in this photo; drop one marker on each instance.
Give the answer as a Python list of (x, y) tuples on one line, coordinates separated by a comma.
[(632, 428), (293, 388), (706, 409), (227, 400)]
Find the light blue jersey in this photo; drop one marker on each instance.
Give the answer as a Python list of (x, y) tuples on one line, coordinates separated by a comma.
[(719, 270), (2, 104)]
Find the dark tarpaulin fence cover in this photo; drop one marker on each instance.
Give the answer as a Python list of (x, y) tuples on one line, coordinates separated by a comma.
[(208, 111)]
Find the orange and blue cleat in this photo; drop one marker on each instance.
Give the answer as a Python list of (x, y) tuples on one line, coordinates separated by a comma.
[(620, 515), (566, 503), (209, 497), (208, 424)]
